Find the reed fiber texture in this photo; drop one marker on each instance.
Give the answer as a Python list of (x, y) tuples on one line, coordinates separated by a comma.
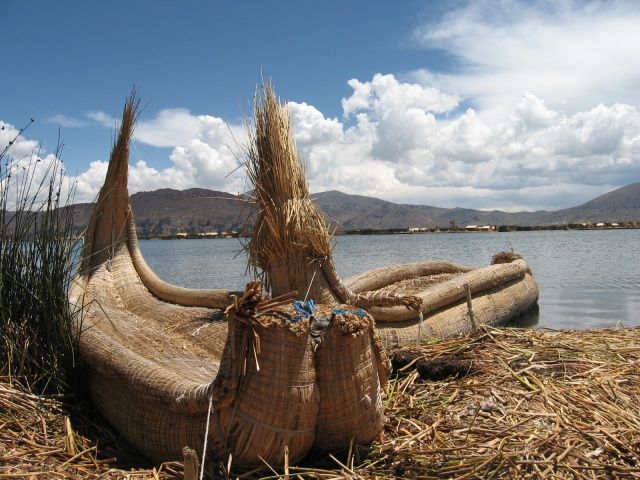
[(352, 367), (290, 231)]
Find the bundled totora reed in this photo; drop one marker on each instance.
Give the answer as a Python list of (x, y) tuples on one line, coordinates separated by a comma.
[(290, 230)]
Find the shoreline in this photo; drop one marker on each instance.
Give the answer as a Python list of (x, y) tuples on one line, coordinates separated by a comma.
[(403, 231)]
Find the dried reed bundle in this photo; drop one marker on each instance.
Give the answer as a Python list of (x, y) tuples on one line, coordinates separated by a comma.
[(105, 230), (288, 222), (352, 369), (535, 404), (290, 248)]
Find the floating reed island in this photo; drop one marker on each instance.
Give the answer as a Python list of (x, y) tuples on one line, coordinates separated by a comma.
[(500, 403)]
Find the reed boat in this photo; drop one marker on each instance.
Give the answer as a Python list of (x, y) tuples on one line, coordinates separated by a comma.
[(262, 379), (234, 375)]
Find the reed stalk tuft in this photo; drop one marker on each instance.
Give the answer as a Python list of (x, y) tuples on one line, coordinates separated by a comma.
[(37, 246)]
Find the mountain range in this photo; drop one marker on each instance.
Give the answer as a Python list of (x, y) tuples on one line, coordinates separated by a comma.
[(166, 212)]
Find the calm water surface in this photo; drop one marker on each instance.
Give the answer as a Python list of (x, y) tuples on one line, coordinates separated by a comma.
[(587, 278)]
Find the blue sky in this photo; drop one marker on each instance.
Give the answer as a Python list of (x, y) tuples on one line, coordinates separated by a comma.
[(512, 105), (71, 58)]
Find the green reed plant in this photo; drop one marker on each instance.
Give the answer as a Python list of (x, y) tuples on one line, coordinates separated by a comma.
[(37, 339)]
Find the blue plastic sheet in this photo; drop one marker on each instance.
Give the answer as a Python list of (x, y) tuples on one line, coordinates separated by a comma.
[(303, 309)]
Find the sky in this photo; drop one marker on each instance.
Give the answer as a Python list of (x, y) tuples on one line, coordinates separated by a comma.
[(509, 105)]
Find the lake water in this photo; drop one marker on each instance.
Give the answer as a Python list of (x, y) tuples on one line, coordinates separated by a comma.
[(587, 279)]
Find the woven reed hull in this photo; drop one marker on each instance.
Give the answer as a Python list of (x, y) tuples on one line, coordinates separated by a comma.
[(494, 306), (158, 433), (277, 399), (273, 408), (350, 375), (150, 376), (139, 376)]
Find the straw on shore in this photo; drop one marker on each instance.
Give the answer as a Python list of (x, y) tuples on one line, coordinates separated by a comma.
[(536, 404), (38, 439), (525, 404)]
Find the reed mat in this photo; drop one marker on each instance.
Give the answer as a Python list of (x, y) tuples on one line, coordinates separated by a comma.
[(501, 403)]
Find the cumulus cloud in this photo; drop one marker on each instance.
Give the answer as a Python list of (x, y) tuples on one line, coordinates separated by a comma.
[(395, 146), (27, 169), (171, 127), (540, 112), (204, 153), (209, 160), (553, 121), (405, 142), (20, 147)]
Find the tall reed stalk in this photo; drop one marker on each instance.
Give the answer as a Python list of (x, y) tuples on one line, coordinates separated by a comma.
[(37, 246)]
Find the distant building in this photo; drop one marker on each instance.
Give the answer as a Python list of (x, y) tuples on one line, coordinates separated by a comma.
[(181, 235), (471, 228), (208, 234), (600, 225)]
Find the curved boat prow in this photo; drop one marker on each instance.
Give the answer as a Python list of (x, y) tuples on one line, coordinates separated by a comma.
[(106, 230), (112, 228)]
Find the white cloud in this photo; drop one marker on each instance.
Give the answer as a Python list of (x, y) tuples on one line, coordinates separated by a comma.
[(27, 168), (20, 147), (554, 121), (66, 121), (103, 119), (208, 161), (406, 142), (572, 54), (204, 154), (530, 157), (171, 127)]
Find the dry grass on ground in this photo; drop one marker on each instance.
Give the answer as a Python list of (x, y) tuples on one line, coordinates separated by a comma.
[(536, 404), (38, 439), (524, 404)]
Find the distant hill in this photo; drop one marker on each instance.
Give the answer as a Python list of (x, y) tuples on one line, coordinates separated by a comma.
[(358, 212), (197, 210), (624, 198), (167, 212)]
